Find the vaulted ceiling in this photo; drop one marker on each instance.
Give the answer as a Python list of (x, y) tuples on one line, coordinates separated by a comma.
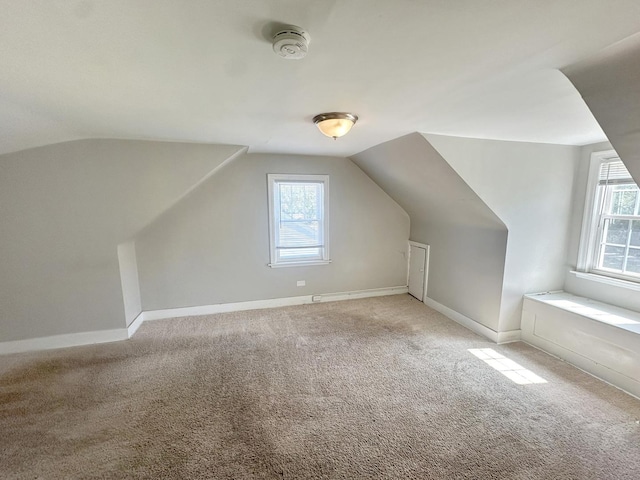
[(203, 70)]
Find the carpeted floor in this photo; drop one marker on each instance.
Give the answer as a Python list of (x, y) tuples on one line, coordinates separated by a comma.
[(373, 388)]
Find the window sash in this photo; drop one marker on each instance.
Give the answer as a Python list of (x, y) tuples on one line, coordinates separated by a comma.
[(611, 175), (298, 208)]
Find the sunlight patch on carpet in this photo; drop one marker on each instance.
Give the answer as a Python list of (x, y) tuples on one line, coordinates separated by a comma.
[(508, 368)]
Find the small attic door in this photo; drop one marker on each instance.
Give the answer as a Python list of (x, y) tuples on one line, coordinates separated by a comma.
[(418, 269)]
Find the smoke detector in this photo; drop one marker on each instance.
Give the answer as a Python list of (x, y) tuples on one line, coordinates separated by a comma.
[(291, 43)]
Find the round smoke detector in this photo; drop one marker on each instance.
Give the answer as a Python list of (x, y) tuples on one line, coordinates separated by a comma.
[(291, 43)]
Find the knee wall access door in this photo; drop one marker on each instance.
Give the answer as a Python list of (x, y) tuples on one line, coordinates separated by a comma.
[(418, 266)]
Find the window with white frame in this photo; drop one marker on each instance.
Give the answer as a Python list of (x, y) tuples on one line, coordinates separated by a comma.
[(298, 219), (610, 243)]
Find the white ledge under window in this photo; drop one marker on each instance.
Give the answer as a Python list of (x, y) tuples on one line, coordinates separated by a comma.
[(299, 264), (616, 282), (600, 312)]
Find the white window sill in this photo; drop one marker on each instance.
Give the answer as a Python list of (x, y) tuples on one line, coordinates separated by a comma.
[(600, 312), (616, 282), (299, 264)]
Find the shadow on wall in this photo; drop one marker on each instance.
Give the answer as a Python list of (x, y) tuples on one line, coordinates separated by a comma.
[(65, 208), (468, 241), (608, 83)]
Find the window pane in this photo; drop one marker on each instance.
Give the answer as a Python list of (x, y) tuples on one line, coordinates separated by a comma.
[(635, 233), (300, 201), (299, 233), (617, 231), (298, 221), (623, 200), (613, 257), (633, 260), (300, 218)]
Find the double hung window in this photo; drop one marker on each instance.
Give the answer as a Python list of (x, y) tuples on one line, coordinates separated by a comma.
[(611, 233), (298, 219)]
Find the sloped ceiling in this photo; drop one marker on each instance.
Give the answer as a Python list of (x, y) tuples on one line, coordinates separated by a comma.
[(203, 70), (65, 208), (416, 176), (610, 85), (468, 241)]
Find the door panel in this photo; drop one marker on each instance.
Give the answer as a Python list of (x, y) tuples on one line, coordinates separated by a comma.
[(417, 264)]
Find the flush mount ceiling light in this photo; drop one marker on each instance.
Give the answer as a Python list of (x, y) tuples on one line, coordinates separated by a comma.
[(335, 124)]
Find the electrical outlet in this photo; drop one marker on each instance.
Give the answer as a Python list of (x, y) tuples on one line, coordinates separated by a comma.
[(316, 298), (301, 283)]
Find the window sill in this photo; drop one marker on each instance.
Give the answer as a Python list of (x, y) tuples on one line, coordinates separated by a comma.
[(299, 264), (616, 282), (617, 317)]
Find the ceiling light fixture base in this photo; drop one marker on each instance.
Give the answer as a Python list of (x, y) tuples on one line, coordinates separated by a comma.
[(335, 124)]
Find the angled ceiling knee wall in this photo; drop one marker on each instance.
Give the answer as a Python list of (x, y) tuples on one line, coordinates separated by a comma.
[(529, 187), (468, 241), (609, 83), (65, 210)]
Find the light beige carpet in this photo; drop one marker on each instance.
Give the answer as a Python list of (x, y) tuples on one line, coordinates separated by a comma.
[(373, 388)]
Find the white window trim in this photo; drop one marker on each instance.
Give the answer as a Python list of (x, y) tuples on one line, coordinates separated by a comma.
[(616, 282), (272, 178), (586, 250)]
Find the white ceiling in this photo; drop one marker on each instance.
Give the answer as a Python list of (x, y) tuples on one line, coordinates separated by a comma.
[(203, 71)]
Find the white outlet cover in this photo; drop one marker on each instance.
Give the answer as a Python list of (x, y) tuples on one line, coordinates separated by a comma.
[(301, 283)]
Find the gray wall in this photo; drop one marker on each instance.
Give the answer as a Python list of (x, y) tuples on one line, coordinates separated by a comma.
[(213, 246), (529, 186), (64, 209), (468, 241)]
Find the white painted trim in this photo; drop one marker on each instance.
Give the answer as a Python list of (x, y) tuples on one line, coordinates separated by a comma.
[(616, 282), (418, 244), (63, 341), (462, 320), (269, 303), (586, 365), (272, 180), (133, 328), (590, 213), (476, 327), (374, 292), (618, 380), (590, 310), (509, 336), (224, 307), (118, 334), (426, 265), (591, 232), (299, 264)]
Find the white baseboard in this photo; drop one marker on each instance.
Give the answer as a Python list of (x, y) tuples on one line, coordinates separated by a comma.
[(133, 327), (269, 303), (509, 336), (374, 292), (118, 334), (496, 337), (63, 341), (462, 320)]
